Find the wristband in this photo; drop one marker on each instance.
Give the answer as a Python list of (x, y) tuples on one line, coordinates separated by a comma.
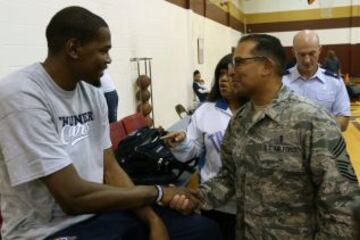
[(160, 194)]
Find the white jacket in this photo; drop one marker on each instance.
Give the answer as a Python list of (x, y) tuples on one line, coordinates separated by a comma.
[(204, 136)]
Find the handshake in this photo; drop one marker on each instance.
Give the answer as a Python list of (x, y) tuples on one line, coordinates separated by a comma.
[(182, 199)]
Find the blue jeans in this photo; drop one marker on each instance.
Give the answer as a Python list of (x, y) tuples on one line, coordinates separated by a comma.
[(112, 101), (123, 225)]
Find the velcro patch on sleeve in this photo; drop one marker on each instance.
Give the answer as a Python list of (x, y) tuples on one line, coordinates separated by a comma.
[(339, 148), (343, 162), (346, 170)]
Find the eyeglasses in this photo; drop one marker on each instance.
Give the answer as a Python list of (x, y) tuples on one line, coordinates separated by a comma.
[(238, 61)]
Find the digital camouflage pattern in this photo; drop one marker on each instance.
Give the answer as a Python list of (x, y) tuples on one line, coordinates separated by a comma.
[(289, 171)]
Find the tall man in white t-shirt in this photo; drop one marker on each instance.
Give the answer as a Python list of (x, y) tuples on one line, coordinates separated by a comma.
[(58, 175)]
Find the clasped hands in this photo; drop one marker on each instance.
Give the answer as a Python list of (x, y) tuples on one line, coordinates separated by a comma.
[(183, 200)]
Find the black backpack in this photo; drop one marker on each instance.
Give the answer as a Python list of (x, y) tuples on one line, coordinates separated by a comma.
[(147, 160)]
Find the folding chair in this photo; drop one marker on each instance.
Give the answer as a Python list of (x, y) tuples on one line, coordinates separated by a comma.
[(181, 111), (133, 122), (117, 133)]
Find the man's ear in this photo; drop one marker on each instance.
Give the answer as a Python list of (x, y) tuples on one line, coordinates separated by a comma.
[(269, 65), (72, 48)]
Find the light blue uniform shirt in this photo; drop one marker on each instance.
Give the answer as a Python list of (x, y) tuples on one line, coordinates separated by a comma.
[(324, 88)]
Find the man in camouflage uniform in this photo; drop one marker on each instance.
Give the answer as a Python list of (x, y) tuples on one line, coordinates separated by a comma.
[(283, 157)]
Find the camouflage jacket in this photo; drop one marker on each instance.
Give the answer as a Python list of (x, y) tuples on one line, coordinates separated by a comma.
[(289, 171)]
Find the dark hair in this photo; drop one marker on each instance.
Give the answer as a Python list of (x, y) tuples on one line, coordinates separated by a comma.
[(331, 54), (72, 22), (196, 72), (268, 46), (214, 94)]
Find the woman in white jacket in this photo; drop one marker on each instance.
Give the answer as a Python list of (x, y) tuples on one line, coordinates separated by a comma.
[(204, 135)]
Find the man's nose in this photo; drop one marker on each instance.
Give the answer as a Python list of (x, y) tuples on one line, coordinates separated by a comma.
[(307, 58), (108, 59)]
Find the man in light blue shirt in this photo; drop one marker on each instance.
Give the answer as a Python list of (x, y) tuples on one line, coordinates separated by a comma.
[(308, 79)]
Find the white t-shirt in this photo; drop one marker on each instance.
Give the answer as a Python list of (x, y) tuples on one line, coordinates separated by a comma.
[(107, 84), (42, 130)]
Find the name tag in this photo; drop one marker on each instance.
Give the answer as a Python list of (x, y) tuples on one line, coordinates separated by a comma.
[(280, 148)]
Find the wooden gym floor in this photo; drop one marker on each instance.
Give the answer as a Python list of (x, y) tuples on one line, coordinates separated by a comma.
[(352, 137)]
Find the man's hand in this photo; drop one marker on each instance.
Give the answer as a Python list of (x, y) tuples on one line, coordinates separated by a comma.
[(343, 122), (158, 230), (182, 199), (174, 138)]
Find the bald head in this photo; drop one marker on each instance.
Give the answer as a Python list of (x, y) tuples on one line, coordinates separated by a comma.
[(306, 37), (306, 46)]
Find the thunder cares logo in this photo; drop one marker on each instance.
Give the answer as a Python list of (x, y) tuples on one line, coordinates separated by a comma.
[(75, 128)]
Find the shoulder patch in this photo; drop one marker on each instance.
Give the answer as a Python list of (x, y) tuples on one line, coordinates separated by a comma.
[(331, 74), (346, 170), (343, 164), (338, 148)]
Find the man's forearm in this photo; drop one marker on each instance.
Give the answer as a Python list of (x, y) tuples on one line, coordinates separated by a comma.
[(116, 176), (114, 199), (78, 196)]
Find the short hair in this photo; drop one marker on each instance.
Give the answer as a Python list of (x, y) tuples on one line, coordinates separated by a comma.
[(196, 72), (270, 47), (72, 22), (214, 94), (331, 54)]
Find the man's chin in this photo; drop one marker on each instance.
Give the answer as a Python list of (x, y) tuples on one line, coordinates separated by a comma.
[(307, 68)]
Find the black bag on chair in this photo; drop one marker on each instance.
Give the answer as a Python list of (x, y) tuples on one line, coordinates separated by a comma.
[(146, 159)]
